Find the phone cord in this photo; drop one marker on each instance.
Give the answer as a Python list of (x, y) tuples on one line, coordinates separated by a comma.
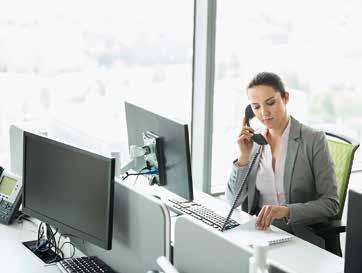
[(241, 188)]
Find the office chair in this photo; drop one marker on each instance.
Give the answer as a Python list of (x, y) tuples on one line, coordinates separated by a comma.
[(342, 150), (165, 266)]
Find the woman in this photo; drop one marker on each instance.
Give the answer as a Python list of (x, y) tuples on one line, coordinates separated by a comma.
[(292, 183)]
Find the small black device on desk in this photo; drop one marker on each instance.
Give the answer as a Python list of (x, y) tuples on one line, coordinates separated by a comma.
[(10, 196)]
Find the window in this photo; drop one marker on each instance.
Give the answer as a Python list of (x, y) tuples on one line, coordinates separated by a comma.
[(67, 66), (317, 54)]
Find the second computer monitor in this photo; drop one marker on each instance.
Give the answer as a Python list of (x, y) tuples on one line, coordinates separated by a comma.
[(69, 188), (174, 137), (352, 260)]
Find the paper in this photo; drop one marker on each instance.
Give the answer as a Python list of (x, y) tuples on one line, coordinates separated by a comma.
[(248, 234)]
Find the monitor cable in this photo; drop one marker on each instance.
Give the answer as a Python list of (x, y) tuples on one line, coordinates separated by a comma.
[(65, 243), (47, 241), (150, 172)]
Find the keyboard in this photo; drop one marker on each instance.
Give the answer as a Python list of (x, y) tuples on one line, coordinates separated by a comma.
[(202, 213), (84, 264)]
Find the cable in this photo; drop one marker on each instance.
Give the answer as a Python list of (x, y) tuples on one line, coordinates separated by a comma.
[(48, 235), (151, 171), (52, 243), (135, 181), (241, 189), (49, 241), (23, 217), (61, 247), (40, 234), (74, 249)]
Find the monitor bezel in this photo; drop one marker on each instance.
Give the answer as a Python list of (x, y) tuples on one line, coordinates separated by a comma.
[(129, 107), (105, 243)]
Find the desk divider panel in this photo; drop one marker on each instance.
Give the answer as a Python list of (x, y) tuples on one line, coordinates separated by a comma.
[(199, 248), (141, 232)]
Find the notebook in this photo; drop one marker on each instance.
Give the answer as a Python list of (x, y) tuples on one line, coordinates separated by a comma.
[(248, 234)]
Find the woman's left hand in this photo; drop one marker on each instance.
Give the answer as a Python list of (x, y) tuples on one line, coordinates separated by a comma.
[(268, 213)]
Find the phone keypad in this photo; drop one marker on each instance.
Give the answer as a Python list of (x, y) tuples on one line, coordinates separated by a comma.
[(5, 210)]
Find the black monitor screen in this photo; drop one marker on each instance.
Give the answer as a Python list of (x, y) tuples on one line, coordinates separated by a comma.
[(175, 145), (69, 188)]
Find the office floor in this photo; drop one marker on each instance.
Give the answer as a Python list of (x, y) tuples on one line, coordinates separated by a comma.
[(354, 183)]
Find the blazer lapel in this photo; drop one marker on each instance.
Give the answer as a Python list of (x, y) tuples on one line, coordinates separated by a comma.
[(293, 145)]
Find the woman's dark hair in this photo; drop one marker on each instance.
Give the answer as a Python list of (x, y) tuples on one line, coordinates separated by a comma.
[(269, 79)]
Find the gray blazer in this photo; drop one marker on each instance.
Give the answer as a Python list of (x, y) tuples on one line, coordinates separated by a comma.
[(309, 179)]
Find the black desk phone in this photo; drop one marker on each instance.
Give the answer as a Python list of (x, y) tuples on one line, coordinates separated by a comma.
[(10, 196)]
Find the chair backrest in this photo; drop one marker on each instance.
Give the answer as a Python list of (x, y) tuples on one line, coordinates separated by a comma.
[(342, 150)]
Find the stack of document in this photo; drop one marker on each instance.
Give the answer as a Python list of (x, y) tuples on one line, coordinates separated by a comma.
[(248, 234)]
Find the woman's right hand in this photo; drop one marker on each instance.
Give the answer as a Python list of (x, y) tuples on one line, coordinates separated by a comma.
[(245, 143)]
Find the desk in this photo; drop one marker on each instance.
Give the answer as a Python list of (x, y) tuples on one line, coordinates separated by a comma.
[(140, 235), (296, 255), (14, 256)]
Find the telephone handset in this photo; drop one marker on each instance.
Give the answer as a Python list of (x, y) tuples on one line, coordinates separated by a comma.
[(257, 138), (10, 196)]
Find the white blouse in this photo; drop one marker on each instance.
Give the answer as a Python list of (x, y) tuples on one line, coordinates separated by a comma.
[(270, 184)]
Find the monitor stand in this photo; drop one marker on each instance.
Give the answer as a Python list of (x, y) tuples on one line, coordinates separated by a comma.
[(47, 256)]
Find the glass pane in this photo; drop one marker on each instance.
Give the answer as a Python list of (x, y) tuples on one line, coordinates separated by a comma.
[(317, 54), (66, 67)]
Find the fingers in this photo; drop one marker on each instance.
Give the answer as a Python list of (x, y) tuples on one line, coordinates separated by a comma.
[(269, 218), (244, 140), (265, 217), (246, 136), (246, 132), (260, 217), (246, 128)]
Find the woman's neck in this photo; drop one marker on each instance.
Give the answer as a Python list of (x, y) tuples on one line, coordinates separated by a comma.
[(278, 132)]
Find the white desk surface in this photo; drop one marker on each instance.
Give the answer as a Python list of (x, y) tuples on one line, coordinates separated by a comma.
[(14, 256), (297, 255)]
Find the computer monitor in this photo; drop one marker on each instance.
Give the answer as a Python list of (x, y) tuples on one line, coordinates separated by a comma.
[(173, 136), (141, 231), (352, 259), (69, 188)]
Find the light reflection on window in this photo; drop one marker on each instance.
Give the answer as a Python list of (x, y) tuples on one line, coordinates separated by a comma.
[(67, 66)]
